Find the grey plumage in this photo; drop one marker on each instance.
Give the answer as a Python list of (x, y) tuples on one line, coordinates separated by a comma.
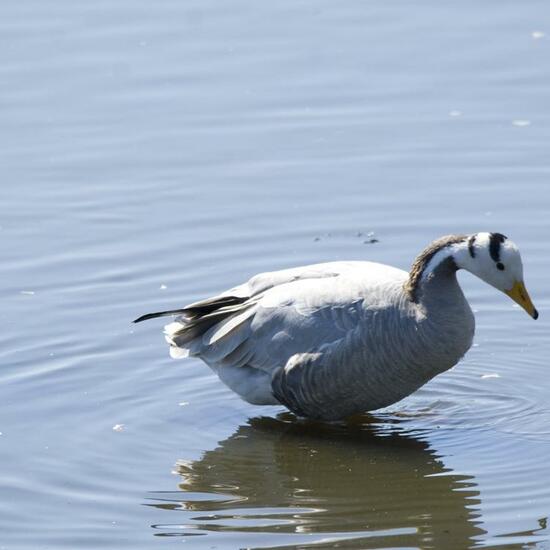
[(422, 260), (330, 340)]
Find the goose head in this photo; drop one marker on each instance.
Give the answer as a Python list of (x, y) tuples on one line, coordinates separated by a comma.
[(496, 260), (492, 257)]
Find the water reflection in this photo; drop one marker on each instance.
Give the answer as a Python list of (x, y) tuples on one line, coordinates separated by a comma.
[(367, 483)]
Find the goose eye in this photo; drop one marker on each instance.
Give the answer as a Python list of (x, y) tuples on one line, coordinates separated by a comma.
[(500, 266)]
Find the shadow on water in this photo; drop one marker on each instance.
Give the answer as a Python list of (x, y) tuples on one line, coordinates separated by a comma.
[(283, 482)]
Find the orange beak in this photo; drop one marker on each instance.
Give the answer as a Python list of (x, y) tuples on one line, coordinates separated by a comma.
[(519, 294)]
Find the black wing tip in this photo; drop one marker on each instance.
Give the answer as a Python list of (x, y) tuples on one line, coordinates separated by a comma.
[(197, 309), (143, 318), (148, 316)]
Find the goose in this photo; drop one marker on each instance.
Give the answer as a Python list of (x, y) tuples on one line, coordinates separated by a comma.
[(334, 339)]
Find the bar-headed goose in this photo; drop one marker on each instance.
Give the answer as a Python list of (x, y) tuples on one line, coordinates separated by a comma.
[(330, 340)]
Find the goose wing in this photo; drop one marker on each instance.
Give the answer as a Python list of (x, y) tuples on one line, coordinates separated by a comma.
[(252, 288), (317, 315), (289, 312)]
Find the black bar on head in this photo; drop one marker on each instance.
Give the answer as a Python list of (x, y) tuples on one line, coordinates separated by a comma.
[(495, 240)]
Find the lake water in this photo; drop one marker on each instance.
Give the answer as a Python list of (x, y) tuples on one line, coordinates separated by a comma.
[(154, 153)]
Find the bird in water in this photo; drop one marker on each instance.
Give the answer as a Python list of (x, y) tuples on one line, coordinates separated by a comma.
[(334, 339)]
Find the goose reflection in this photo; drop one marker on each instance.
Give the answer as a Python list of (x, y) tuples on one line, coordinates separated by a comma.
[(281, 482)]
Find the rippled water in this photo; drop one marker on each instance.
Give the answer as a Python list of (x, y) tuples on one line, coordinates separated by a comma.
[(155, 153)]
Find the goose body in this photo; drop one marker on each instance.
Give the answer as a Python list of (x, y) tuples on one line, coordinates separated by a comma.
[(334, 339)]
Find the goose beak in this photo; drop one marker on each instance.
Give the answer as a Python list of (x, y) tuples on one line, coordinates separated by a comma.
[(519, 294)]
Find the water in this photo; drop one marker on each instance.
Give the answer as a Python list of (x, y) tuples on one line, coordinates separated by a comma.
[(155, 153)]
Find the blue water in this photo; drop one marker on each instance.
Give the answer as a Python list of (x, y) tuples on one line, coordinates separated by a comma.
[(156, 153)]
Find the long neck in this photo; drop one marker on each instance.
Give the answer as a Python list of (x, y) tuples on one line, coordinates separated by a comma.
[(436, 266)]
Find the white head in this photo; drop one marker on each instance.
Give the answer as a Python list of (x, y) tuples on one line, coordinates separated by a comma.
[(493, 257)]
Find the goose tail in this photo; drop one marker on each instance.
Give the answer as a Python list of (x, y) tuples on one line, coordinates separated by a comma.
[(185, 333)]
